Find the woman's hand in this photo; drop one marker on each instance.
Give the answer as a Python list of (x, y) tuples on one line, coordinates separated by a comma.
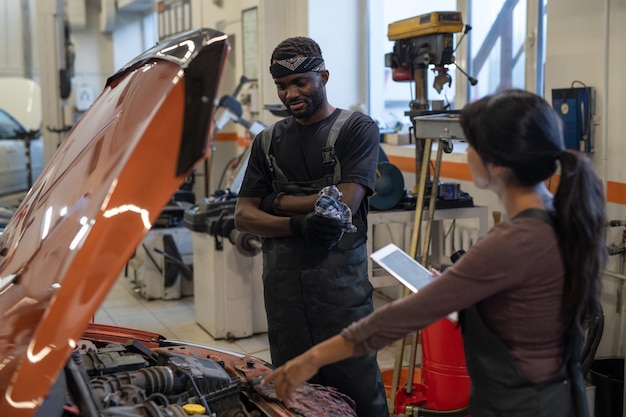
[(302, 368), (290, 376)]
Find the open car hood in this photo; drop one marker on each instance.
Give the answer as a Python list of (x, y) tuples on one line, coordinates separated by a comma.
[(95, 200)]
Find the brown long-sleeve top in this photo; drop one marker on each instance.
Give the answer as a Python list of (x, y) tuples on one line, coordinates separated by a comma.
[(515, 277)]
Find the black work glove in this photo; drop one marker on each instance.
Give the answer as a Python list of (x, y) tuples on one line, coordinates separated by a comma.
[(267, 204), (315, 228)]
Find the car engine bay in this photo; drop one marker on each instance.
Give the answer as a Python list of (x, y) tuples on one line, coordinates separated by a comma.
[(121, 372), (123, 380)]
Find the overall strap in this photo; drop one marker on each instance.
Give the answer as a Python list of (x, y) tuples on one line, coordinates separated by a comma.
[(266, 142), (329, 159)]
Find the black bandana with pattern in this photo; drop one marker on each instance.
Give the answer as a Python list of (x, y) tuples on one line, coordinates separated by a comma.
[(283, 67)]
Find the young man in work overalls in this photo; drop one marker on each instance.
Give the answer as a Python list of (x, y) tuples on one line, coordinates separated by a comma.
[(314, 254)]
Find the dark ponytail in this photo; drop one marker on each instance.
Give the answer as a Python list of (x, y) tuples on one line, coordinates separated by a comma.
[(581, 224)]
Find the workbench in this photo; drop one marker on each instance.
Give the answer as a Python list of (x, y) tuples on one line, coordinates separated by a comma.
[(375, 219)]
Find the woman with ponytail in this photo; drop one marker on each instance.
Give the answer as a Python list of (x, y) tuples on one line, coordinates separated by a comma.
[(525, 291)]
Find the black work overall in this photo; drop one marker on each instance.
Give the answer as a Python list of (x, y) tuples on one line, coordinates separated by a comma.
[(499, 386), (312, 293)]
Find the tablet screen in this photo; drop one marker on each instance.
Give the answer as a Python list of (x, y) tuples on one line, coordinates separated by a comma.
[(401, 266)]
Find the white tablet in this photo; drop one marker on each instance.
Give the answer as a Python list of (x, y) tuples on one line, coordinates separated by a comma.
[(402, 267)]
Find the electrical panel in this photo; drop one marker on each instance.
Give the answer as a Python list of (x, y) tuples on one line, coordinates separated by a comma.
[(575, 107)]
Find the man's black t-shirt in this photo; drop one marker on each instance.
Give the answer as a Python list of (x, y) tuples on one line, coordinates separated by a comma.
[(298, 152)]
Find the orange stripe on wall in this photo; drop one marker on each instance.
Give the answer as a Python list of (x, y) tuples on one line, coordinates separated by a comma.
[(242, 141), (615, 191), (456, 170), (226, 137), (403, 163)]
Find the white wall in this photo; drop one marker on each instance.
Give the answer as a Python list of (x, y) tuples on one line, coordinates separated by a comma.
[(12, 38), (133, 34), (94, 54), (344, 49)]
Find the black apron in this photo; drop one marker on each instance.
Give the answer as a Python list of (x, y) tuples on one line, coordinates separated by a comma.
[(499, 386)]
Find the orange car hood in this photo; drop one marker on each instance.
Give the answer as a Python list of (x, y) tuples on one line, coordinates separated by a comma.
[(97, 197)]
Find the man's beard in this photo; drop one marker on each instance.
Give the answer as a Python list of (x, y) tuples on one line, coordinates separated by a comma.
[(310, 106)]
